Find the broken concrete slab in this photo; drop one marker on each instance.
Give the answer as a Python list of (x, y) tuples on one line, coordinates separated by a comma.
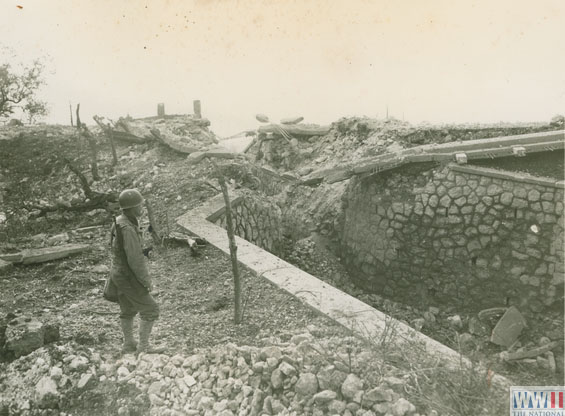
[(220, 152), (195, 157), (41, 255), (292, 120), (509, 328)]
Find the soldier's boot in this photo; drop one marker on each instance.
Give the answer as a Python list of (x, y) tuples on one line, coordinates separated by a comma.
[(129, 346), (144, 334)]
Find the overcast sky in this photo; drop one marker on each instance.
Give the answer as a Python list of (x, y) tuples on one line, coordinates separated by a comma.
[(437, 61)]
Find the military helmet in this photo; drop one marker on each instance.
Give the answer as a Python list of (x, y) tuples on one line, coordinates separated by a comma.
[(130, 198)]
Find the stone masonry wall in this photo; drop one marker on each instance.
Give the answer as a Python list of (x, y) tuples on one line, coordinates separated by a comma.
[(468, 237), (258, 221)]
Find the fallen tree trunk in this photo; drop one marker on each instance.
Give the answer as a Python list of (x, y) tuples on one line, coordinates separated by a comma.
[(295, 129)]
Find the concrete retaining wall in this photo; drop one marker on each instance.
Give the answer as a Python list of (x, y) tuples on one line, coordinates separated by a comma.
[(463, 236)]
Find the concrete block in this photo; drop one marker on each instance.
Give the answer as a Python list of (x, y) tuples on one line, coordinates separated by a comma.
[(508, 328)]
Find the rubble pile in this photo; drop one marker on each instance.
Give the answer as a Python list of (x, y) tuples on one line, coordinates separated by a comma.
[(184, 133), (304, 375), (9, 132), (356, 138), (471, 334)]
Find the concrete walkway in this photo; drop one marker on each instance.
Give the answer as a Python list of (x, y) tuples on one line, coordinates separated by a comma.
[(363, 320)]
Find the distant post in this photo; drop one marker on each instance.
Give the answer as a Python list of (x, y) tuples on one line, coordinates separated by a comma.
[(197, 109), (161, 110)]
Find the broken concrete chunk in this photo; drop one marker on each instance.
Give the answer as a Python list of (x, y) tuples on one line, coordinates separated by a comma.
[(220, 152), (292, 120), (509, 328), (195, 157), (46, 393), (40, 255), (24, 335)]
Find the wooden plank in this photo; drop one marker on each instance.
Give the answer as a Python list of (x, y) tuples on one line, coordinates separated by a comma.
[(298, 130), (11, 257), (519, 355), (41, 255)]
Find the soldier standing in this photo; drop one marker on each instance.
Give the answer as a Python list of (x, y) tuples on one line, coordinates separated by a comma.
[(130, 275)]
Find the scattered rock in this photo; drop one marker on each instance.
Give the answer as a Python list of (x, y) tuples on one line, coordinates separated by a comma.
[(377, 395), (24, 335), (79, 363), (402, 407), (351, 386), (277, 379), (287, 369), (466, 342), (477, 327), (455, 321), (307, 384), (324, 397), (84, 381), (100, 269), (46, 393)]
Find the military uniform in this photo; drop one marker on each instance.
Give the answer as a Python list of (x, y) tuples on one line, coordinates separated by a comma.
[(129, 272)]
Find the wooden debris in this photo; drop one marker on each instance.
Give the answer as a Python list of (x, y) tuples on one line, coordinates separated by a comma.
[(193, 242), (118, 135), (41, 255), (295, 130), (509, 328), (12, 257), (91, 229), (551, 362), (519, 355), (487, 314)]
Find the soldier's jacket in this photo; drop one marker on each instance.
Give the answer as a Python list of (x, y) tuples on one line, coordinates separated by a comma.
[(129, 270)]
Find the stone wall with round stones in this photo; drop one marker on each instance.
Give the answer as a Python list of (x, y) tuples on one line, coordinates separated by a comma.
[(463, 236), (258, 221)]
